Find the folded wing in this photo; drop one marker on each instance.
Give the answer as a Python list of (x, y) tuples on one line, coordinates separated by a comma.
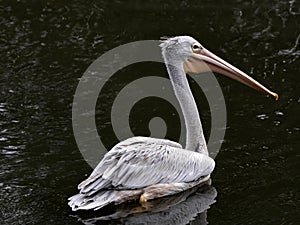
[(141, 161)]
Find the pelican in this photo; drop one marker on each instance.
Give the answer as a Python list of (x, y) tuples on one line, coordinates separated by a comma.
[(145, 168)]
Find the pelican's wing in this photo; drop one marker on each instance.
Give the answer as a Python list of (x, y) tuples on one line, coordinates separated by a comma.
[(139, 162)]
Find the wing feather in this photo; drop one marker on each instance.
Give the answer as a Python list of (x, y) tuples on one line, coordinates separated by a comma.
[(141, 161)]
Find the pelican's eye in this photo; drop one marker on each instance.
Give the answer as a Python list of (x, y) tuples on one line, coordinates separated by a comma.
[(196, 47)]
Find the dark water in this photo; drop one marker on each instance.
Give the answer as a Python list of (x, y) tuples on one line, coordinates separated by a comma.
[(46, 46)]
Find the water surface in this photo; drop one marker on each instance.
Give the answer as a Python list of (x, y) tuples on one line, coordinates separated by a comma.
[(46, 46)]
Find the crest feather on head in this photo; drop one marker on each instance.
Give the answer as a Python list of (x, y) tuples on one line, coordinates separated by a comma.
[(166, 41)]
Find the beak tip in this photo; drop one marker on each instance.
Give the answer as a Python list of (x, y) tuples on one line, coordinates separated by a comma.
[(276, 96)]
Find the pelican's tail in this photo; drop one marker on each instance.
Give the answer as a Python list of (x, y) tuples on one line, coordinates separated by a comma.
[(84, 202), (100, 199)]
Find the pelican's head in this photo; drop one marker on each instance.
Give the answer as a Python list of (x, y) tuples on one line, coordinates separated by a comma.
[(178, 49), (186, 52)]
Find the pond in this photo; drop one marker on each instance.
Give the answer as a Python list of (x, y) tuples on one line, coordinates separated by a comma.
[(46, 46)]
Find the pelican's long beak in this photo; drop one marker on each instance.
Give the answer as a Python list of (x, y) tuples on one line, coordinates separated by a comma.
[(204, 61)]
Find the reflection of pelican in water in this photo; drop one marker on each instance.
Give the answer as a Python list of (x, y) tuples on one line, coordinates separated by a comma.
[(146, 168), (177, 209)]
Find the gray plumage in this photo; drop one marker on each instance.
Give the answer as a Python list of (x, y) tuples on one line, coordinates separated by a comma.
[(145, 168), (140, 163)]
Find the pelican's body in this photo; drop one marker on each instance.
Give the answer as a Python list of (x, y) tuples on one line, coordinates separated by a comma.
[(139, 163), (146, 168)]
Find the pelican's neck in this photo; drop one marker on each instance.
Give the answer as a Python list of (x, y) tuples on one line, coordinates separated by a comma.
[(195, 140)]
